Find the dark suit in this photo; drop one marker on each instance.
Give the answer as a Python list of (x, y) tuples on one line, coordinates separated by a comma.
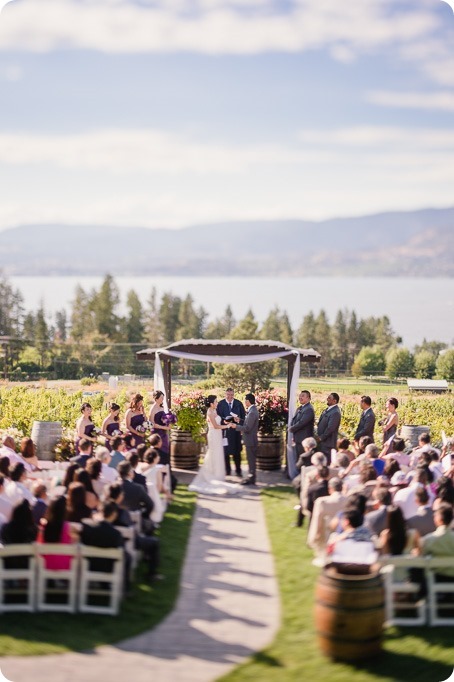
[(233, 435), (376, 520), (135, 498), (101, 534), (328, 430), (422, 521), (366, 425), (249, 431), (140, 480), (302, 425), (316, 490)]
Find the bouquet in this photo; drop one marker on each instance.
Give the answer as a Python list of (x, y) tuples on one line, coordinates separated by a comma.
[(144, 427), (169, 419)]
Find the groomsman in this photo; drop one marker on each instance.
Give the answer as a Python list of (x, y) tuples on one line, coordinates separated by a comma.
[(367, 421), (225, 407), (328, 426), (249, 430), (302, 425)]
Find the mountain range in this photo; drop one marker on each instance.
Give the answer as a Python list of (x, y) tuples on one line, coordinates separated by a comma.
[(400, 244)]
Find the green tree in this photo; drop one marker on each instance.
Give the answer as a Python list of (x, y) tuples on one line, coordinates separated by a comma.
[(399, 363), (82, 317), (247, 328), (271, 328), (135, 327), (433, 347), (11, 309), (425, 365), (41, 335), (285, 329), (339, 341), (190, 321), (306, 334), (153, 327), (221, 327), (445, 365), (323, 338), (370, 360), (104, 305), (61, 321), (169, 312)]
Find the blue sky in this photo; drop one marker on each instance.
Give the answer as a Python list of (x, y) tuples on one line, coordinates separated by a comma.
[(165, 114)]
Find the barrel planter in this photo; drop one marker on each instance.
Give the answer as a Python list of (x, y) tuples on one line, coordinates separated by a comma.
[(349, 615), (411, 433), (45, 436), (184, 451), (269, 455)]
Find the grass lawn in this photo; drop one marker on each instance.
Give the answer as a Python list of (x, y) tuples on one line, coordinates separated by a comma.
[(410, 654), (44, 633)]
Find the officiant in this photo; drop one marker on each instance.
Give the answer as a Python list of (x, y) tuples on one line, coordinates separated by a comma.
[(227, 409)]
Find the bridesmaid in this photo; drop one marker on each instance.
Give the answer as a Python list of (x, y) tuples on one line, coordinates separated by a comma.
[(111, 424), (84, 426), (391, 421), (159, 425), (134, 417)]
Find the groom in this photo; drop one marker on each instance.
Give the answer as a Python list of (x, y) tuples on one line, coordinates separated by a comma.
[(249, 430), (224, 408)]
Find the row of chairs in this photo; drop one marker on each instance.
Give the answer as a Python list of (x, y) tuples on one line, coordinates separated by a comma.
[(403, 604), (27, 585)]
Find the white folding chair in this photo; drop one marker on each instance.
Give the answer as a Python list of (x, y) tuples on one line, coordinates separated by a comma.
[(402, 605), (103, 585), (136, 516), (57, 588), (17, 585), (129, 534), (440, 594)]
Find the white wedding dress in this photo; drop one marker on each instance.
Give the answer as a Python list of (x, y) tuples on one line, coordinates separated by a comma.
[(211, 476)]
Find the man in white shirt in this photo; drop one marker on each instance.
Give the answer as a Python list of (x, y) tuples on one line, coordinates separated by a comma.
[(406, 498), (8, 450), (16, 489), (108, 475)]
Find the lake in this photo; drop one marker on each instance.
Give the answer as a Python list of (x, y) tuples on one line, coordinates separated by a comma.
[(417, 308)]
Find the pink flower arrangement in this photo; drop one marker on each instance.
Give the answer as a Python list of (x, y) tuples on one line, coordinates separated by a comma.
[(273, 412)]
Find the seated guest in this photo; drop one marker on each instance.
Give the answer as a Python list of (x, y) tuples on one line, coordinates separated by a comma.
[(343, 448), (39, 509), (440, 543), (398, 453), (424, 444), (133, 458), (102, 534), (310, 476), (8, 449), (76, 506), (70, 474), (391, 467), (325, 509), (393, 538), (108, 475), (94, 468), (118, 450), (372, 454), (4, 467), (362, 444), (85, 450), (55, 528), (375, 520), (16, 488), (352, 524), (141, 450), (130, 442), (367, 480), (444, 491), (91, 498), (6, 506), (406, 498), (20, 529), (319, 488), (155, 441), (147, 544), (423, 520), (135, 497), (28, 453)]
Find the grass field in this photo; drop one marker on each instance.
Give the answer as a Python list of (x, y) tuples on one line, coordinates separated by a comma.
[(25, 634), (411, 654)]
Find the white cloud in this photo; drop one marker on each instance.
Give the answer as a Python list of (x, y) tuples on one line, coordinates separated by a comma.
[(441, 101), (212, 27)]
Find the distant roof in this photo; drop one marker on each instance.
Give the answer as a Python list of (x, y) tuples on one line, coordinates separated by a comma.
[(228, 347), (439, 385)]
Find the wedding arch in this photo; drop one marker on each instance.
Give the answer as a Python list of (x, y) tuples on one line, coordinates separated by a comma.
[(228, 352)]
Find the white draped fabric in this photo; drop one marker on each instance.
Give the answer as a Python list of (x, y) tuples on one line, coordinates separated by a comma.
[(233, 360)]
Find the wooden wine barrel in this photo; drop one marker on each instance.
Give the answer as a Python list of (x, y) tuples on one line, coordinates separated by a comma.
[(45, 436), (269, 455), (184, 452), (411, 433), (349, 615)]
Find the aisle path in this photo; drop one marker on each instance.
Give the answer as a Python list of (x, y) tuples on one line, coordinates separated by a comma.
[(228, 608)]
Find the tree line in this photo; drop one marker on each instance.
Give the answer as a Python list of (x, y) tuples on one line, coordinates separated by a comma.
[(93, 337)]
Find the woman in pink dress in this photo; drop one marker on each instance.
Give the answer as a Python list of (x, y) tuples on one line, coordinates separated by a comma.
[(55, 528)]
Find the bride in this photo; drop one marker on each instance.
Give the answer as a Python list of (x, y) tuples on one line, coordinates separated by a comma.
[(211, 477)]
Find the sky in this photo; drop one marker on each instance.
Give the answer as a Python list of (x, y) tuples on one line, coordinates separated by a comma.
[(168, 113)]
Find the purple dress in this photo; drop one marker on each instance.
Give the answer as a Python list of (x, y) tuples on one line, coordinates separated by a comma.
[(110, 428), (87, 431), (159, 419), (136, 421)]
